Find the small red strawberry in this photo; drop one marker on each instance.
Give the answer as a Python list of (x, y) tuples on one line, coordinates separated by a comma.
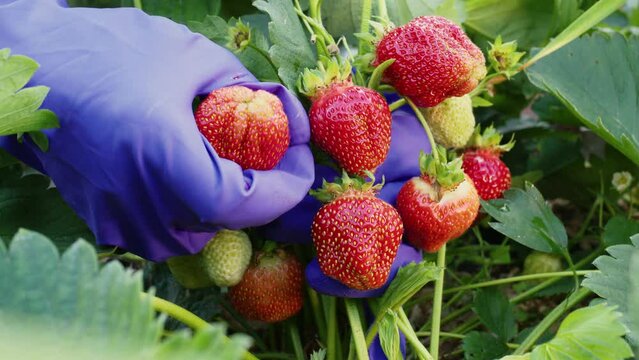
[(438, 206), (434, 60), (356, 235), (482, 163), (351, 123), (245, 126), (271, 289)]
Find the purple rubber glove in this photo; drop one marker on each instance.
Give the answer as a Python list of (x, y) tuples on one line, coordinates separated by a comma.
[(128, 156), (323, 284), (408, 138)]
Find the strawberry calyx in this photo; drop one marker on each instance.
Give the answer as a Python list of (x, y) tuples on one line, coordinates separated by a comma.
[(436, 166), (490, 138), (239, 36), (314, 82), (346, 186), (270, 254)]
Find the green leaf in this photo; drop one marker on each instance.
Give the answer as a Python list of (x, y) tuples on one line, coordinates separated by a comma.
[(530, 22), (593, 332), (26, 201), (342, 18), (389, 336), (615, 280), (19, 107), (403, 11), (213, 27), (483, 346), (597, 78), (291, 51), (69, 307), (633, 318), (496, 313), (523, 216), (619, 229), (408, 281)]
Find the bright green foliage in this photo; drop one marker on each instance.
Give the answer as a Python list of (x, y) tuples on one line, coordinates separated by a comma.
[(615, 281), (19, 107), (523, 216), (408, 281), (483, 346), (619, 229), (291, 50), (597, 78), (496, 313), (28, 201), (71, 307), (593, 332)]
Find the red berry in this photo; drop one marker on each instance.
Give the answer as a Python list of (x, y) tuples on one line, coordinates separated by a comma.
[(271, 289), (356, 237), (434, 60), (433, 215), (353, 125), (245, 126), (489, 174)]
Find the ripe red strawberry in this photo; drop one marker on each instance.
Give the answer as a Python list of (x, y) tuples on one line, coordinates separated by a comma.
[(351, 123), (434, 60), (438, 206), (245, 126), (482, 162), (356, 235), (271, 289)]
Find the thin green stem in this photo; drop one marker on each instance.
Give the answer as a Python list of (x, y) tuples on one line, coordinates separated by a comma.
[(397, 104), (382, 10), (295, 339), (317, 313), (411, 337), (137, 4), (356, 329), (480, 239), (367, 11), (550, 319), (331, 321), (177, 312), (422, 120), (437, 303), (517, 279)]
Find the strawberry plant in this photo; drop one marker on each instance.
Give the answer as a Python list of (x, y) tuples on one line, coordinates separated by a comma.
[(513, 235)]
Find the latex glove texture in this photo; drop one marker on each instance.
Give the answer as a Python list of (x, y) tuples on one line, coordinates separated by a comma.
[(128, 156)]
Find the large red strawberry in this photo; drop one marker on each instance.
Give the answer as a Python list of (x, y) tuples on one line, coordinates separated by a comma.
[(351, 123), (482, 162), (271, 289), (355, 234), (246, 126), (438, 206), (434, 60)]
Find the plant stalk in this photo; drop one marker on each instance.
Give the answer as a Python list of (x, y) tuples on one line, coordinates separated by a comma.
[(437, 303), (356, 329), (331, 321), (295, 339), (367, 10)]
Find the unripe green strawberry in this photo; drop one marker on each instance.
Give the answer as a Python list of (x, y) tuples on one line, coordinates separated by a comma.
[(452, 121), (226, 257), (540, 262), (222, 262)]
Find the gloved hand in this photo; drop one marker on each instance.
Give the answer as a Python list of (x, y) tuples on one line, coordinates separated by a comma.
[(128, 156), (408, 138)]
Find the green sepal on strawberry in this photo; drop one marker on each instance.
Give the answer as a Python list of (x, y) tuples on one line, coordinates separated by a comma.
[(355, 234), (482, 162), (452, 121), (271, 289), (438, 206), (351, 123), (221, 262)]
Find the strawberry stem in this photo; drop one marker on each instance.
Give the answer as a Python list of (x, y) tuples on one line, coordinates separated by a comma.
[(137, 4), (397, 104), (356, 328), (429, 133), (382, 10), (367, 10), (331, 321), (437, 303), (295, 339)]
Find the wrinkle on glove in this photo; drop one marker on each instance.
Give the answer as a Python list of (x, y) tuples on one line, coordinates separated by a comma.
[(408, 139), (323, 284), (128, 156)]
